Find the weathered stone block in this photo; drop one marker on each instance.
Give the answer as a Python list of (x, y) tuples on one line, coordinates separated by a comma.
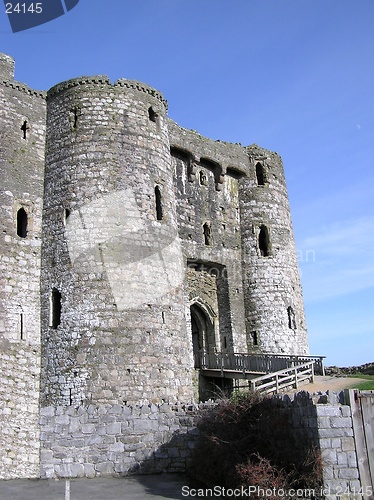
[(352, 459), (88, 428), (328, 411), (117, 447), (329, 456), (89, 471), (342, 458), (114, 428), (69, 470), (348, 444), (348, 473), (341, 422), (104, 468), (336, 432)]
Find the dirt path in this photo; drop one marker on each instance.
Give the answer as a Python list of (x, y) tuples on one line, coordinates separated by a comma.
[(334, 384)]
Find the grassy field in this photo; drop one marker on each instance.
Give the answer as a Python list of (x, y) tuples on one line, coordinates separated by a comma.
[(365, 386)]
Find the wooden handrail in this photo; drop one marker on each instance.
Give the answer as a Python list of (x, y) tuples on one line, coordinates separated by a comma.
[(256, 363), (274, 382)]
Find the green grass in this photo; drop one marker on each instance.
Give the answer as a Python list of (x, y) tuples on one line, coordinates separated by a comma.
[(365, 386)]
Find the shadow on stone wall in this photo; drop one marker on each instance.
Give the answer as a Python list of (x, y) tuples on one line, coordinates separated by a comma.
[(121, 440), (256, 441)]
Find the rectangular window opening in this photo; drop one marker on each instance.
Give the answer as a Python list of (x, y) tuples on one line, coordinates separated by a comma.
[(55, 309), (21, 327)]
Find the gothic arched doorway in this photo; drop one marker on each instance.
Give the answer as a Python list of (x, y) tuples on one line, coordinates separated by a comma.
[(203, 335)]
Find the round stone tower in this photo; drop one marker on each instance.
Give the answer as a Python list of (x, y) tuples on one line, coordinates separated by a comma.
[(275, 320), (113, 327)]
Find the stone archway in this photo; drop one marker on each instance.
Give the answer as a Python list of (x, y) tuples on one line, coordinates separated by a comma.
[(203, 331)]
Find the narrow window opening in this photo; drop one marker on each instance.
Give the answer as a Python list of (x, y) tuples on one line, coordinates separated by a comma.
[(152, 115), (254, 338), (21, 329), (225, 342), (74, 118), (24, 129), (66, 215), (22, 223), (207, 234), (260, 174), (158, 199), (263, 241), (55, 319), (203, 178), (163, 317), (291, 318)]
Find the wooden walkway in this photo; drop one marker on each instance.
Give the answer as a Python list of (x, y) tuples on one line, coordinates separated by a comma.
[(266, 373)]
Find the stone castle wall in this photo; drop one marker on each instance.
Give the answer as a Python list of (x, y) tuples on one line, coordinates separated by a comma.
[(22, 143), (238, 191), (128, 244)]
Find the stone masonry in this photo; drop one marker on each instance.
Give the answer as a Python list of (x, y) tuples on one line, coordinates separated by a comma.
[(115, 440), (128, 244)]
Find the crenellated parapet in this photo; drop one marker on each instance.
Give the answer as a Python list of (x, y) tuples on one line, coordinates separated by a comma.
[(102, 81), (226, 155), (82, 81), (142, 87), (24, 89), (7, 64)]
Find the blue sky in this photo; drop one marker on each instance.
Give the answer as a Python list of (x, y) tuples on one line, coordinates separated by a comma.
[(294, 76)]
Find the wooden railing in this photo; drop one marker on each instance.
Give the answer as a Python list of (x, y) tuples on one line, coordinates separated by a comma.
[(256, 363), (291, 377)]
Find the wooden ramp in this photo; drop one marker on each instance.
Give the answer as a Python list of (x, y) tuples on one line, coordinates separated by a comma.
[(291, 378), (267, 373)]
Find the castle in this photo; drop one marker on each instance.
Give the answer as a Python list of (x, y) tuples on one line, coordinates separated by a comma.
[(128, 246)]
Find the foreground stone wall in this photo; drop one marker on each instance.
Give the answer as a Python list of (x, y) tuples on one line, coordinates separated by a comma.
[(116, 440), (328, 424), (338, 449)]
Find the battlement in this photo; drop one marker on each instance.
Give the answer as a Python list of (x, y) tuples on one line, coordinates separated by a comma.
[(23, 88), (103, 80), (81, 81), (142, 87), (227, 155)]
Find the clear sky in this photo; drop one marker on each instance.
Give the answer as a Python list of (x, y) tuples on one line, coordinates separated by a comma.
[(294, 76)]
